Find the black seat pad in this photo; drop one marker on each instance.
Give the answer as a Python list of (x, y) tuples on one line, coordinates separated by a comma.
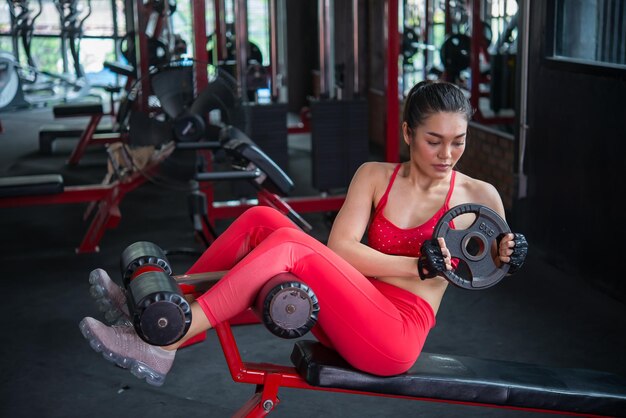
[(466, 379), (77, 109), (241, 147), (31, 185)]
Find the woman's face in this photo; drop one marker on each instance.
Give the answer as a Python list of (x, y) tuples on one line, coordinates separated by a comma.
[(437, 145)]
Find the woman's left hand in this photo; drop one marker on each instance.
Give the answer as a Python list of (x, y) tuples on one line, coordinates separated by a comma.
[(512, 249)]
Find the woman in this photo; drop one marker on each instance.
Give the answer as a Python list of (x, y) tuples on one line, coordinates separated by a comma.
[(376, 309)]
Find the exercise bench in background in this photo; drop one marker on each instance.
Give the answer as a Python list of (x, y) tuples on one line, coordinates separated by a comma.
[(104, 199), (273, 186), (92, 134), (96, 132), (250, 163)]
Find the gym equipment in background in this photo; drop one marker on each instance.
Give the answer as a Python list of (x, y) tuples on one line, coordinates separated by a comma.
[(24, 85), (475, 49), (95, 132), (103, 199), (126, 117), (339, 114), (249, 163), (72, 19), (11, 93)]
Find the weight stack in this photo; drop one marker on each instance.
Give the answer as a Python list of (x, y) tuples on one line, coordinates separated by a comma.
[(339, 141), (266, 126)]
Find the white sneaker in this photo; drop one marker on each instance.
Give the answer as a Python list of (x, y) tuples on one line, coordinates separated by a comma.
[(110, 298), (121, 345)]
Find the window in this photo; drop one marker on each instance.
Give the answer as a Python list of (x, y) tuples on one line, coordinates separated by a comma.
[(591, 31), (102, 21)]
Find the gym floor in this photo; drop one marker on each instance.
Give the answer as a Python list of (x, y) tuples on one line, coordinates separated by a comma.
[(541, 315)]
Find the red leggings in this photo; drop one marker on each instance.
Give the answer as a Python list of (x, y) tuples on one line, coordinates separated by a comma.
[(376, 327)]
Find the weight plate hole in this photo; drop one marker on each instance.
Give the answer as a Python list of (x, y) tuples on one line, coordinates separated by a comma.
[(474, 246)]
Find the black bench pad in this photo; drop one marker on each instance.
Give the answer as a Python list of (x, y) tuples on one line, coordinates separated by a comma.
[(472, 380), (31, 185), (48, 134), (77, 109), (241, 147)]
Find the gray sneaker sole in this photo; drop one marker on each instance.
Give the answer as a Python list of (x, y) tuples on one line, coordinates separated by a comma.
[(137, 368)]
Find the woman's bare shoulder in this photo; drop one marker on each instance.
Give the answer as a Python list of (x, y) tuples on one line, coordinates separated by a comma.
[(375, 171), (377, 167), (477, 191), (371, 179)]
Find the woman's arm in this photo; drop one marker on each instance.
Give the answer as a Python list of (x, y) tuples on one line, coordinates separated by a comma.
[(351, 223), (486, 194)]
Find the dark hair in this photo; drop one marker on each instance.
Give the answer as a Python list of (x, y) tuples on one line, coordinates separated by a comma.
[(434, 96)]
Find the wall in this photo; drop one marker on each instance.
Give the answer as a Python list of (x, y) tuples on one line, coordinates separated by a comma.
[(489, 156), (575, 163)]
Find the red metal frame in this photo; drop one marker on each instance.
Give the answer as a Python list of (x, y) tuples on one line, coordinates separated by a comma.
[(143, 61), (304, 125), (269, 378), (220, 29), (306, 204), (90, 137), (199, 47)]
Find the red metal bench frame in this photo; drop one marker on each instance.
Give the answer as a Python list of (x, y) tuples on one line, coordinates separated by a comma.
[(269, 378)]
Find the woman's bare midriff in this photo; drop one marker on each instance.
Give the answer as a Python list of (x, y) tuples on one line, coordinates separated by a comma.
[(431, 290)]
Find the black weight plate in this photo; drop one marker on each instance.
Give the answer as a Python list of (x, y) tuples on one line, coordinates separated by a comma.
[(455, 52), (473, 246)]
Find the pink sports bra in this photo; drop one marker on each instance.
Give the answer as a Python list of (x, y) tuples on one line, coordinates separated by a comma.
[(387, 238)]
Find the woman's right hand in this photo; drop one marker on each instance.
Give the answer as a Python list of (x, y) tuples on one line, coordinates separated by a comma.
[(434, 259)]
